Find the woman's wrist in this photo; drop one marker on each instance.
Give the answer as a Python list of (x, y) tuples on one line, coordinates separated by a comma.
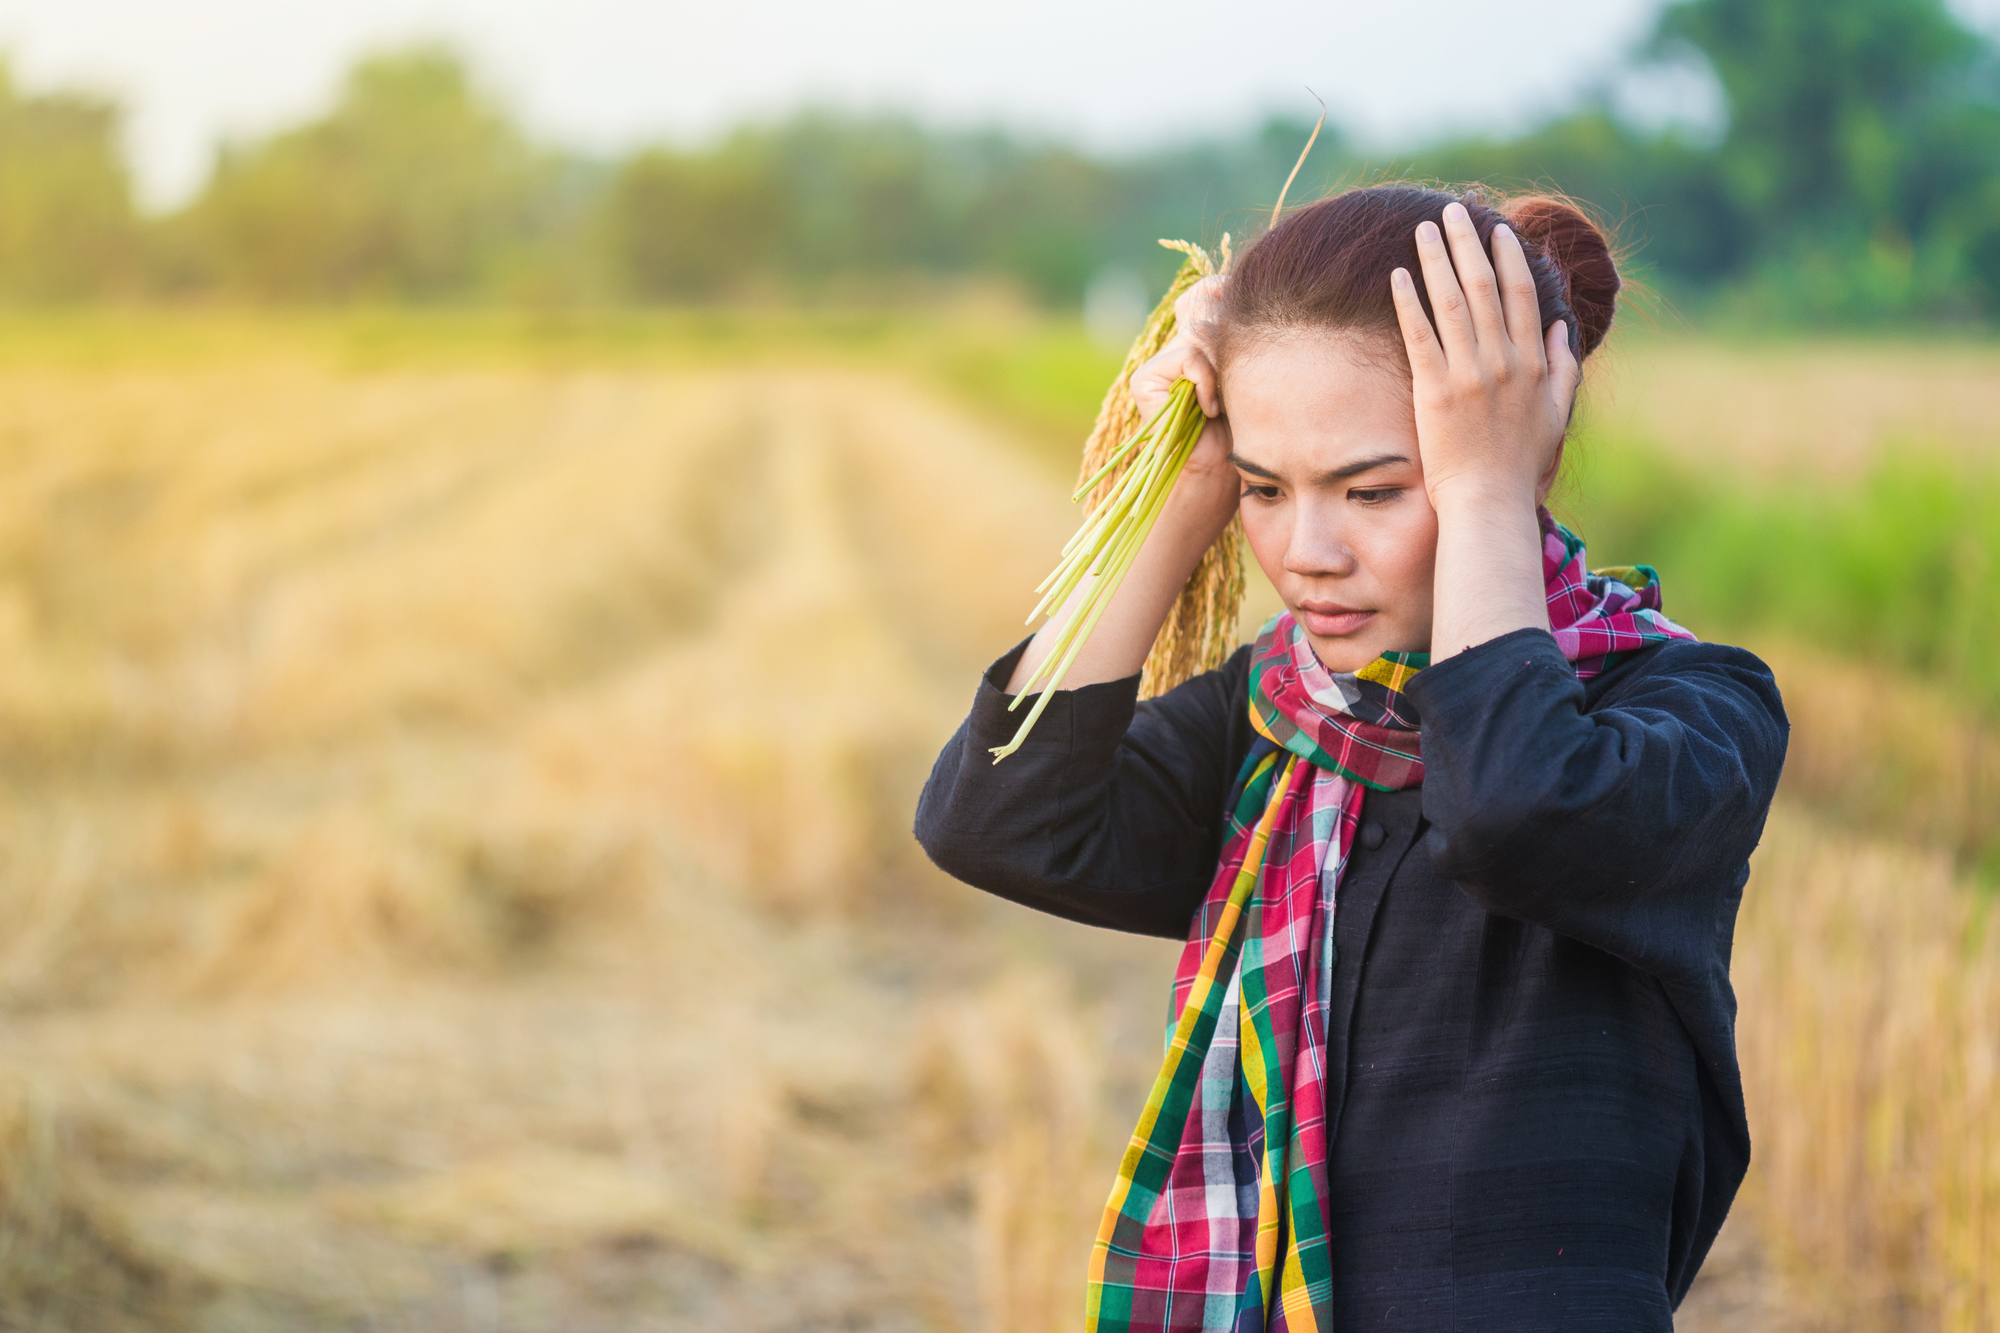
[(1489, 569), (1191, 522), (1479, 494), (1187, 526)]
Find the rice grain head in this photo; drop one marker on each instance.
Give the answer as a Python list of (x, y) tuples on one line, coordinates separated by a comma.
[(1200, 631)]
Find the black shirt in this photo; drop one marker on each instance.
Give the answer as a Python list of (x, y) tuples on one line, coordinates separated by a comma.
[(1538, 1119)]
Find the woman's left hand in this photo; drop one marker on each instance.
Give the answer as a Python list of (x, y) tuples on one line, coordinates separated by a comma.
[(1492, 390), (1492, 394)]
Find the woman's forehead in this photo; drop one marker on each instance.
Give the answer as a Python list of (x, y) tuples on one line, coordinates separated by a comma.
[(1317, 405), (1313, 364)]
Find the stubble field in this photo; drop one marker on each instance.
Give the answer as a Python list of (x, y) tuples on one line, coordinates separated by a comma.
[(455, 848)]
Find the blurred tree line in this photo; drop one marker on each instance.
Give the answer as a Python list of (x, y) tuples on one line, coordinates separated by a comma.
[(66, 223), (1857, 178)]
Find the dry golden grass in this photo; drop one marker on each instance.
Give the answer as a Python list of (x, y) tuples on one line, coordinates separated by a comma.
[(459, 839), (457, 869), (1764, 409), (1870, 1029), (1913, 762)]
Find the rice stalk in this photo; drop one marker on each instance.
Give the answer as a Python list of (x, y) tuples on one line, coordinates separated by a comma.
[(1129, 469)]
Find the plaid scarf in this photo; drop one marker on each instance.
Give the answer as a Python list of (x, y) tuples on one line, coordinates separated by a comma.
[(1218, 1218)]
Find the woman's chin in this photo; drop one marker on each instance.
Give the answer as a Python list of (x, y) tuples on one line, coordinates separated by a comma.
[(1345, 655), (1341, 656)]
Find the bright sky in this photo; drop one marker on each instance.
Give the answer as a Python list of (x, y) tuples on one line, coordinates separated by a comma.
[(604, 74)]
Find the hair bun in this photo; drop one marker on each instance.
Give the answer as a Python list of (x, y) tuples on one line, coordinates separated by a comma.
[(1580, 249)]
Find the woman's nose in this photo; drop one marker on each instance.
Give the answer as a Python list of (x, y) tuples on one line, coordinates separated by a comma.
[(1316, 548)]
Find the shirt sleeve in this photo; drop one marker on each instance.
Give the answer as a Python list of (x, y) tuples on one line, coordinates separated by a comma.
[(1627, 826), (1110, 814)]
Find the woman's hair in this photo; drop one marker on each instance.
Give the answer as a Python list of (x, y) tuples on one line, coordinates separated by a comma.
[(1327, 266)]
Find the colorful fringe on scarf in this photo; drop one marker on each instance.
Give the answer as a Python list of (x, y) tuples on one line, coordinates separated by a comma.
[(1218, 1219)]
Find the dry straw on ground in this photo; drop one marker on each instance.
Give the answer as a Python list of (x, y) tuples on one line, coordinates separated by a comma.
[(1870, 1033), (472, 884)]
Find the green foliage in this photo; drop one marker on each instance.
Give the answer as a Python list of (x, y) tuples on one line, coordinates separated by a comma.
[(1665, 197), (67, 228), (1831, 101), (1897, 568), (1862, 156), (1857, 182), (414, 186), (678, 228), (822, 203)]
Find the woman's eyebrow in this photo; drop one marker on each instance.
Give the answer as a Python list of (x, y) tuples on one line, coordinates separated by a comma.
[(1354, 469), (1359, 466)]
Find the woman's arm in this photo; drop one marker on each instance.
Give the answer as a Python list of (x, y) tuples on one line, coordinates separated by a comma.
[(1110, 814), (1625, 826), (1200, 507), (1493, 395)]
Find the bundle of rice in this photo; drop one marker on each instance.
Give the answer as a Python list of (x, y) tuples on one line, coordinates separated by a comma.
[(1128, 471)]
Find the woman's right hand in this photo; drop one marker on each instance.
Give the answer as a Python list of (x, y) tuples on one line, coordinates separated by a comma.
[(1203, 501), (1206, 496)]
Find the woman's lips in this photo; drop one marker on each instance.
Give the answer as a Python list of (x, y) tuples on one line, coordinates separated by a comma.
[(1330, 620)]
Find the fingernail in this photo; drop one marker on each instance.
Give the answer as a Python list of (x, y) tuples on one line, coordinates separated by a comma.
[(1502, 229), (1461, 213), (1401, 278), (1427, 231)]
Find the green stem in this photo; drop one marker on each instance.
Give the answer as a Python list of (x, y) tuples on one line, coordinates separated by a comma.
[(1180, 390), (1107, 546)]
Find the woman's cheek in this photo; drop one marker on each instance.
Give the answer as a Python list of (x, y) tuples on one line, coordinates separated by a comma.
[(1268, 533), (1415, 562)]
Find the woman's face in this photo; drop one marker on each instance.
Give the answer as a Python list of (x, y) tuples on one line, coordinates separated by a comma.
[(1325, 438)]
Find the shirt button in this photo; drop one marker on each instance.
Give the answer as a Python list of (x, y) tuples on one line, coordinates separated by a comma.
[(1372, 835)]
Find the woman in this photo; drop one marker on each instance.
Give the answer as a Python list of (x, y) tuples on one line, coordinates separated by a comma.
[(1457, 844)]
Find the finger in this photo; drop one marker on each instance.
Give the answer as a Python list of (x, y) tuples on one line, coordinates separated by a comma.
[(1427, 358), (1155, 371), (1199, 371), (1518, 298), (1475, 277), (1453, 321), (1202, 296), (1196, 309), (1564, 372), (1216, 439)]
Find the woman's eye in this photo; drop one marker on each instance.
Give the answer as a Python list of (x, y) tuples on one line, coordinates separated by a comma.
[(1259, 492), (1379, 495)]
